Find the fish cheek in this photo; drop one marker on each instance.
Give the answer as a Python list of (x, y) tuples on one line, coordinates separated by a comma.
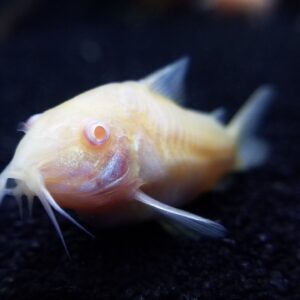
[(116, 168), (111, 165)]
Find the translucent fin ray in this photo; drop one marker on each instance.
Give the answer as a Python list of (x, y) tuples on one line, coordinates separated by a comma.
[(169, 81), (189, 221), (249, 117), (252, 151)]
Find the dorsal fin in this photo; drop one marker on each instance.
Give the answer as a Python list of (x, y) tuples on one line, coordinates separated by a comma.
[(169, 81)]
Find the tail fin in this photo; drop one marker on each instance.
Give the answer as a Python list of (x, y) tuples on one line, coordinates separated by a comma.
[(252, 151)]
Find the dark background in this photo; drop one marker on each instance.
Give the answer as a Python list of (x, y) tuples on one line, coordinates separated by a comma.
[(51, 51)]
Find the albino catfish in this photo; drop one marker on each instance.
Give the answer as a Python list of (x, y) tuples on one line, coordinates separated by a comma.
[(129, 151)]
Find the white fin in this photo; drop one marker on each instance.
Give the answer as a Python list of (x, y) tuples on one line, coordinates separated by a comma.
[(190, 222), (169, 81), (252, 151)]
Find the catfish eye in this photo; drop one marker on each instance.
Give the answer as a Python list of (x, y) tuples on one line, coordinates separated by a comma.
[(97, 133)]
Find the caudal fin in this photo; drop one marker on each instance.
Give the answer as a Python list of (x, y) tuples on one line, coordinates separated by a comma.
[(252, 151)]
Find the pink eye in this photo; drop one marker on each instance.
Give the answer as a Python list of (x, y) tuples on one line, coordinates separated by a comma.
[(97, 133)]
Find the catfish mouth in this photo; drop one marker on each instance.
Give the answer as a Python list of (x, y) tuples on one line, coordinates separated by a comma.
[(92, 195), (31, 184)]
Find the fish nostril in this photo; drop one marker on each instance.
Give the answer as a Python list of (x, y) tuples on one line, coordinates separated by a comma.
[(11, 183)]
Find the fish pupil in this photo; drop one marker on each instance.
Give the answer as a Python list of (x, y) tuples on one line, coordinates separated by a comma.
[(100, 133)]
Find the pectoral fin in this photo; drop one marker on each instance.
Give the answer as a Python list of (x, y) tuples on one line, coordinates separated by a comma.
[(188, 223)]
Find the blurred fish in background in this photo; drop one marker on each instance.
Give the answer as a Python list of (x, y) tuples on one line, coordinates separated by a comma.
[(15, 13), (252, 8)]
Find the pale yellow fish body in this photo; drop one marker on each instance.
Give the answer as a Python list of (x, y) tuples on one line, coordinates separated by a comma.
[(183, 152), (122, 151), (180, 153)]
